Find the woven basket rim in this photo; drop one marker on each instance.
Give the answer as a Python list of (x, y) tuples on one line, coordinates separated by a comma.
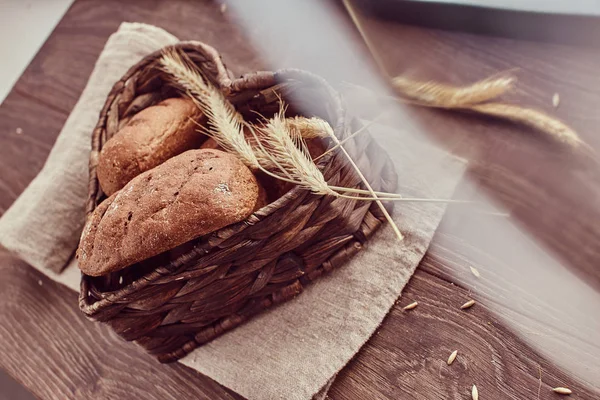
[(228, 86)]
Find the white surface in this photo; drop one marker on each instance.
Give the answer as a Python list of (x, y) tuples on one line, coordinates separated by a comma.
[(24, 26)]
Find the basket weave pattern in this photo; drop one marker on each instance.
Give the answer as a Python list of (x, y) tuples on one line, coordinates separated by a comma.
[(170, 305)]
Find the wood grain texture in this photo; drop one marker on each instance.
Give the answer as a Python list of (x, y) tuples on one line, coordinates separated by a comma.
[(406, 358), (49, 347), (554, 195)]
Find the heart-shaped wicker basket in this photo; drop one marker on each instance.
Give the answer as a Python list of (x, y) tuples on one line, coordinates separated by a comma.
[(172, 305)]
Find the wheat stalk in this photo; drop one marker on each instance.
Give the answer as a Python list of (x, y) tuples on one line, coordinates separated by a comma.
[(319, 125), (288, 150), (285, 151), (309, 128), (447, 96), (353, 134), (224, 121), (433, 94), (474, 98), (532, 118), (287, 144)]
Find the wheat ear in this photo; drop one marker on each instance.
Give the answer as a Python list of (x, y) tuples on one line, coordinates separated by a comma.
[(309, 128), (288, 150), (319, 125), (474, 98), (226, 128), (353, 134), (281, 143), (447, 96), (532, 118), (224, 121)]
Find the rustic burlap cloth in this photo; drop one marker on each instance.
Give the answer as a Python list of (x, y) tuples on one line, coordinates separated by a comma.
[(293, 351)]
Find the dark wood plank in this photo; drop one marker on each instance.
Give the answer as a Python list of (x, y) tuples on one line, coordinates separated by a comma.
[(554, 194), (551, 194), (78, 358), (554, 202), (406, 358), (50, 348), (24, 141)]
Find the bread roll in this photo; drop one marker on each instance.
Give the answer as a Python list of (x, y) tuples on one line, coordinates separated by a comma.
[(187, 196), (151, 137)]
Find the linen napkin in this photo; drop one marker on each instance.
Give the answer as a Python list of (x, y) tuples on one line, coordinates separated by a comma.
[(295, 350)]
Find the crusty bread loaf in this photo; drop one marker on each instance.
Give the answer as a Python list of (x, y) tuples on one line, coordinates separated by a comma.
[(187, 196), (151, 137)]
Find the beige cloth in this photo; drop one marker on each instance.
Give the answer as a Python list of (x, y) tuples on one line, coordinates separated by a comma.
[(294, 350)]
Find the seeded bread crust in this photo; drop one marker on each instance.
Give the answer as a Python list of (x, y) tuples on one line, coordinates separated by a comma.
[(189, 195)]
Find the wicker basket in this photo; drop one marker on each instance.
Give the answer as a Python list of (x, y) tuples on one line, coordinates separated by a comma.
[(170, 305)]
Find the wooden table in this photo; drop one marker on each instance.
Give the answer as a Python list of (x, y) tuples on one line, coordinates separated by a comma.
[(505, 342)]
